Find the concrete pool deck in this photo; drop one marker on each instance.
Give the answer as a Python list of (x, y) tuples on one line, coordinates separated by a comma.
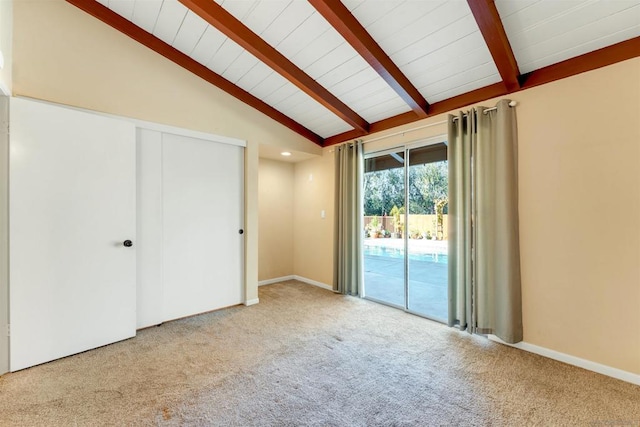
[(384, 275)]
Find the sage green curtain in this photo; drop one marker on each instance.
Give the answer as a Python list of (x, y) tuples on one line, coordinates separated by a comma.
[(348, 271), (484, 248)]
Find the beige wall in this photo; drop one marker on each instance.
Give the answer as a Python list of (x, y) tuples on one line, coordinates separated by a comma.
[(313, 235), (6, 34), (580, 166), (579, 163), (85, 63), (275, 200)]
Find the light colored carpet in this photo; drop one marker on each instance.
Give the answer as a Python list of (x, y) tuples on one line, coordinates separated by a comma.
[(305, 356)]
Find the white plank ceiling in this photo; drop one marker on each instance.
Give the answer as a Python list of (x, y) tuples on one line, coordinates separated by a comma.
[(546, 32), (435, 43)]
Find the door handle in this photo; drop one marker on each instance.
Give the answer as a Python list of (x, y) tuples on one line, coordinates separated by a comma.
[(127, 243)]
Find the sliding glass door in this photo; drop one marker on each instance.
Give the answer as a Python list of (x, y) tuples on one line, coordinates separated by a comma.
[(384, 199), (405, 239), (427, 245)]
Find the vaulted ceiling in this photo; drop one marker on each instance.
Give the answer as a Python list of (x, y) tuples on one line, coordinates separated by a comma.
[(335, 70)]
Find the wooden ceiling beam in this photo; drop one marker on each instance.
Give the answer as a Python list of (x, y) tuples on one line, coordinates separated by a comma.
[(469, 98), (126, 27), (226, 23), (340, 18), (589, 61), (488, 20)]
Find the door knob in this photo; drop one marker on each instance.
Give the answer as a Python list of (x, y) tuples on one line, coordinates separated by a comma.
[(127, 243)]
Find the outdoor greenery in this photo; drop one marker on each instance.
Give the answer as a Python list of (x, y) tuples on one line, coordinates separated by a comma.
[(397, 213), (374, 227), (428, 194)]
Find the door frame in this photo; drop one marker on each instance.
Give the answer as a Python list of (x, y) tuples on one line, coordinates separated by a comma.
[(405, 148), (4, 234)]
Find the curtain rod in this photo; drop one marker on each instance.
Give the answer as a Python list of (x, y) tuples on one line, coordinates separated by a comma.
[(511, 104), (405, 131)]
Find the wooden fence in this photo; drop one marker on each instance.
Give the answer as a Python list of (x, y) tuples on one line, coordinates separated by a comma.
[(420, 226)]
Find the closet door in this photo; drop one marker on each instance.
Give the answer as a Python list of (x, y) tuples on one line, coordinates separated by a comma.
[(202, 199), (150, 298), (72, 205)]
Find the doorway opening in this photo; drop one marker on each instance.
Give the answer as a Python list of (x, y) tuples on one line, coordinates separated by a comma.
[(405, 236)]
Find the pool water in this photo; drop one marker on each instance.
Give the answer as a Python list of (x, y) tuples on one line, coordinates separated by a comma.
[(387, 252)]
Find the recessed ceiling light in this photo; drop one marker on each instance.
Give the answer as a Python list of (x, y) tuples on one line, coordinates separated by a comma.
[(285, 153)]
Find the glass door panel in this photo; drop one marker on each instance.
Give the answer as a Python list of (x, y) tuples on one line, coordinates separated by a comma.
[(427, 196), (384, 196), (405, 223)]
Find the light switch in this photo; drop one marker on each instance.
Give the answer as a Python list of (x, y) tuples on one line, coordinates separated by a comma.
[(322, 214)]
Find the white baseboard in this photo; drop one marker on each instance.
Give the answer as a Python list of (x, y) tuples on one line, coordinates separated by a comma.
[(298, 278), (276, 280), (575, 361), (313, 282), (251, 302)]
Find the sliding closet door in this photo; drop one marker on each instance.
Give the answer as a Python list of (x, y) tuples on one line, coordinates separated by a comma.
[(150, 298), (202, 205), (72, 205)]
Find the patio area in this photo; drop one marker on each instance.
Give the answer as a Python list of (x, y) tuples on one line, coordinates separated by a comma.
[(384, 274)]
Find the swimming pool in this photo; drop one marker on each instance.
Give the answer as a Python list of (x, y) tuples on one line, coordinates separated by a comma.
[(388, 252)]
